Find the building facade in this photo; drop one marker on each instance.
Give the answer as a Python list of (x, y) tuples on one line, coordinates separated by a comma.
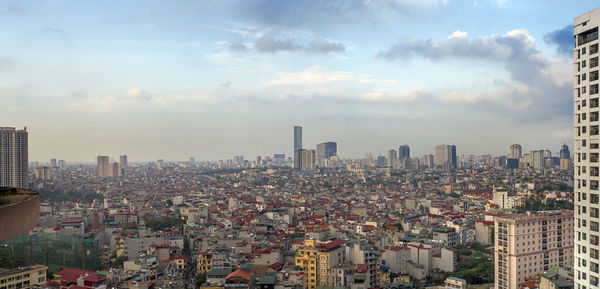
[(297, 147), (586, 149), (404, 152), (326, 150), (14, 158), (516, 151), (23, 277), (445, 155), (529, 244), (104, 168)]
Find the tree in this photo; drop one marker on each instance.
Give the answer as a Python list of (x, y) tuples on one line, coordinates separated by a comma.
[(120, 260), (200, 279)]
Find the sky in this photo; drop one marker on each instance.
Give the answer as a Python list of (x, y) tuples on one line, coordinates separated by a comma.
[(215, 78)]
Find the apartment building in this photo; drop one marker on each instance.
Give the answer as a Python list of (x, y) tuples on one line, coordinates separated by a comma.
[(14, 156), (532, 243), (317, 259), (23, 277), (587, 148)]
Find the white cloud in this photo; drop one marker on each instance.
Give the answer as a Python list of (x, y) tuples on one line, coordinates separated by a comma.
[(458, 34), (382, 96)]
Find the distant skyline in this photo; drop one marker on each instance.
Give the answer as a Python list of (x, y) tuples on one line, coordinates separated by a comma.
[(212, 79)]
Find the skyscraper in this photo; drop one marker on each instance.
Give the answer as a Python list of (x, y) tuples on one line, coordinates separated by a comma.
[(391, 157), (564, 152), (14, 157), (586, 187), (104, 169), (445, 155), (52, 163), (404, 152), (326, 150), (123, 161), (297, 147), (308, 160), (515, 151)]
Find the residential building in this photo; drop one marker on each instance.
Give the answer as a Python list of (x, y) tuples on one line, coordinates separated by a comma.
[(391, 157), (455, 283), (123, 161), (530, 244), (445, 156), (104, 168), (14, 157), (23, 277), (587, 143), (317, 259), (308, 160)]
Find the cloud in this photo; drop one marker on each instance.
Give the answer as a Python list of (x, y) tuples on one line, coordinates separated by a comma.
[(238, 47), (5, 62), (55, 31), (382, 96), (317, 12), (84, 103), (137, 94), (322, 45), (562, 38), (269, 44), (13, 10), (536, 88)]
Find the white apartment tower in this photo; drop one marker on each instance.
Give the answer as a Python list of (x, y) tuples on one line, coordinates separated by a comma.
[(14, 162), (587, 150)]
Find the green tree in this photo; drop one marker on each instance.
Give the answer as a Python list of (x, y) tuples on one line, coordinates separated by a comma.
[(200, 279), (120, 260)]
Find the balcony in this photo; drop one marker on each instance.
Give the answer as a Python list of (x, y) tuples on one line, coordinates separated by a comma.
[(593, 61), (593, 90), (19, 211), (594, 75), (588, 36), (594, 50)]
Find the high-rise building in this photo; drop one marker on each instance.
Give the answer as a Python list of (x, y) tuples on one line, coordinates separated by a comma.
[(53, 163), (529, 244), (104, 169), (297, 147), (43, 173), (445, 155), (515, 151), (62, 164), (586, 184), (537, 159), (123, 161), (428, 161), (404, 152), (14, 157), (391, 157), (564, 152), (115, 170), (308, 160), (326, 150)]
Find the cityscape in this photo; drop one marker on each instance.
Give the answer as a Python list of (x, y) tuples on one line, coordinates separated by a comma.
[(317, 207)]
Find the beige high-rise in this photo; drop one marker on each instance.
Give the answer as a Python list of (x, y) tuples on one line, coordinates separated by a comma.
[(14, 157), (515, 151), (104, 169), (528, 244), (587, 149)]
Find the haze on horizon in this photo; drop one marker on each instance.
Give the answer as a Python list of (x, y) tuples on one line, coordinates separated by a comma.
[(212, 79)]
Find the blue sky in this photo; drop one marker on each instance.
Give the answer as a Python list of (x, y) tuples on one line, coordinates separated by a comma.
[(212, 79)]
